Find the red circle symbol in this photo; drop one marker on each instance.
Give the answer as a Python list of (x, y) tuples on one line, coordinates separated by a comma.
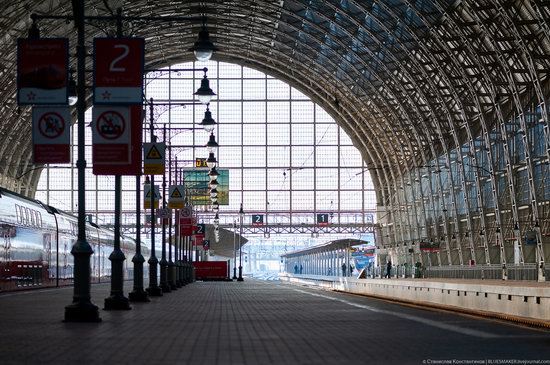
[(51, 125), (110, 125)]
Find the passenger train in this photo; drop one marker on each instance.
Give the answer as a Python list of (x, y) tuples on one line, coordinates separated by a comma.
[(36, 241)]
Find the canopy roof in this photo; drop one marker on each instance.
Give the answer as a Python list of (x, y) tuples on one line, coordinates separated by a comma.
[(405, 79)]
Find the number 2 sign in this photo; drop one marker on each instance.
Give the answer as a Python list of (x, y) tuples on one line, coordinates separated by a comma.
[(118, 70)]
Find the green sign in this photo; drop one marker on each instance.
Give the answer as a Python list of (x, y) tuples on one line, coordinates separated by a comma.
[(196, 187)]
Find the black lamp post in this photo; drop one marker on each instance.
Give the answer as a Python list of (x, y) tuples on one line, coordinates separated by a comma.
[(234, 250), (82, 309), (241, 215)]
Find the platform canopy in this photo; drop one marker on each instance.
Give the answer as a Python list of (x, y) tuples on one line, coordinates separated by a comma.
[(328, 246)]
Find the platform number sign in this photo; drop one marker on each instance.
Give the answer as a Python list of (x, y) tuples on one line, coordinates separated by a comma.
[(118, 70), (257, 219), (200, 229), (322, 219)]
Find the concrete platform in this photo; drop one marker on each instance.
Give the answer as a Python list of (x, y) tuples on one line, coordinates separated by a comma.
[(253, 322), (520, 301)]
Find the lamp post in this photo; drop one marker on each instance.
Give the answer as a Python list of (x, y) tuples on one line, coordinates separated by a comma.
[(138, 294), (235, 250), (153, 290), (241, 216), (163, 262), (82, 309)]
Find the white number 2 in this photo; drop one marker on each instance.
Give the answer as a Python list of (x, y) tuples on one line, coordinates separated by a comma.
[(113, 67)]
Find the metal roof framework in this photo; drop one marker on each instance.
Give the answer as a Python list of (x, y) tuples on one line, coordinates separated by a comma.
[(409, 80)]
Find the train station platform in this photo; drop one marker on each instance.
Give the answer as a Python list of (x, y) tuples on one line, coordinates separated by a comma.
[(526, 302), (254, 322)]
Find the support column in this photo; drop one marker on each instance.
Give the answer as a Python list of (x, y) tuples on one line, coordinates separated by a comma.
[(138, 294), (117, 300), (81, 309)]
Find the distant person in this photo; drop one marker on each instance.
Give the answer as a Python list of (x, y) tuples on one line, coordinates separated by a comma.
[(296, 269), (351, 268), (344, 269), (301, 269), (329, 271), (388, 270)]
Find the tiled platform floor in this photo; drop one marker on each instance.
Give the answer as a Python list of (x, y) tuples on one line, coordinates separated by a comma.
[(252, 322)]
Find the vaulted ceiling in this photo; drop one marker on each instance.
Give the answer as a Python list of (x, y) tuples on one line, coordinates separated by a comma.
[(406, 79)]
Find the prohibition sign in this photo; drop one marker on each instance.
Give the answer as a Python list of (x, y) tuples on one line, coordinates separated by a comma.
[(110, 125), (186, 212), (51, 125)]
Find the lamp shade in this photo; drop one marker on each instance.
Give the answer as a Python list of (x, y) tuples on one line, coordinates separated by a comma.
[(215, 206), (214, 184), (211, 161), (213, 174), (208, 123), (205, 93), (203, 47), (73, 95), (212, 144)]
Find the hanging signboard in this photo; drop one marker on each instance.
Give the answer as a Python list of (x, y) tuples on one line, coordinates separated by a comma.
[(147, 196), (198, 190), (42, 71), (186, 221), (153, 158), (111, 136), (201, 162), (257, 219), (116, 138), (429, 246), (51, 135), (199, 232), (322, 219), (175, 196), (118, 70)]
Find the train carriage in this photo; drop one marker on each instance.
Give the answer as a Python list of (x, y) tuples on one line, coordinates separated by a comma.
[(36, 241)]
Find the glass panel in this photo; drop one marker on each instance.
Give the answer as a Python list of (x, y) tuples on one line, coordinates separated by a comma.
[(302, 179), (326, 134), (326, 178), (278, 112), (302, 157), (255, 179), (302, 134), (254, 156), (253, 112), (328, 156), (302, 112), (278, 156), (277, 89), (254, 89), (278, 134), (254, 134)]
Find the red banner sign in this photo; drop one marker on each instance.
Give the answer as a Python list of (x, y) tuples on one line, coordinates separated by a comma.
[(118, 70), (186, 226), (42, 71)]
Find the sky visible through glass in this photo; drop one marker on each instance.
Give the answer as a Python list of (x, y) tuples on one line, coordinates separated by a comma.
[(285, 156)]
